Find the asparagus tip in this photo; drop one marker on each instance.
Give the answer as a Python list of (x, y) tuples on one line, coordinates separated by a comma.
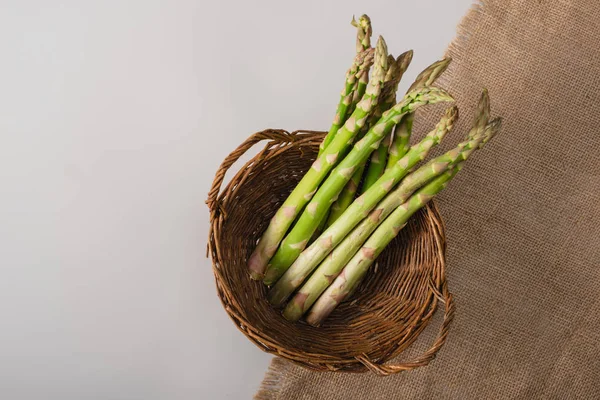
[(364, 21), (452, 113), (381, 44), (381, 52), (404, 60), (492, 130), (430, 74), (484, 101)]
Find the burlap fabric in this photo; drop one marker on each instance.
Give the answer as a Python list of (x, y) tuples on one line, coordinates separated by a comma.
[(523, 220)]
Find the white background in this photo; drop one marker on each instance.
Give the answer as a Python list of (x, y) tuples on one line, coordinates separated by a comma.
[(114, 116)]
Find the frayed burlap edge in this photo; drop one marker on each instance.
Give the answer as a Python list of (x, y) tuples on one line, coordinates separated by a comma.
[(271, 384)]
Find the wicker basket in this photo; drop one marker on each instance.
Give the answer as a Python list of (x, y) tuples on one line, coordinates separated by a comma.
[(384, 316)]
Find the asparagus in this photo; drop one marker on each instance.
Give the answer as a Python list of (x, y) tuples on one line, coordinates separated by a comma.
[(347, 281), (364, 32), (377, 164), (332, 265), (400, 142), (298, 238), (356, 74), (357, 211), (359, 264), (362, 63), (308, 185), (378, 158), (363, 42), (482, 114), (346, 197)]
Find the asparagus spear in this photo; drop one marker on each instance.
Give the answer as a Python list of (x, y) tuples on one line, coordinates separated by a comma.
[(346, 197), (364, 32), (307, 186), (358, 266), (363, 42), (298, 238), (332, 265), (482, 115), (358, 71), (362, 62), (379, 157), (357, 211), (400, 142), (351, 275)]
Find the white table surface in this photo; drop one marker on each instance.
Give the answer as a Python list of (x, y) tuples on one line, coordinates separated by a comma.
[(114, 116)]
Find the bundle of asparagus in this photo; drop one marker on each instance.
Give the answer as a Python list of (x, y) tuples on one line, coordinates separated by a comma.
[(367, 142)]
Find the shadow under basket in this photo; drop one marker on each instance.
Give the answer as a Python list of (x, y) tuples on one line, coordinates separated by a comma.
[(387, 312)]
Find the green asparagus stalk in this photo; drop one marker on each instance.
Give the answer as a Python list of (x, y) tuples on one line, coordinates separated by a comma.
[(359, 264), (363, 42), (308, 185), (346, 197), (377, 164), (401, 140), (359, 72), (362, 62), (352, 274), (357, 211), (298, 237), (334, 263), (378, 160)]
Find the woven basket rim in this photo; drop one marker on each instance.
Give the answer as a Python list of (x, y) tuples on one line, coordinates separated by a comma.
[(277, 141)]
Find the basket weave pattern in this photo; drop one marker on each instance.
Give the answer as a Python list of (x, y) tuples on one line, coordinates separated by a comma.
[(384, 316)]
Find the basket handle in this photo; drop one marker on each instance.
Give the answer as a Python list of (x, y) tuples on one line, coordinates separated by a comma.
[(429, 355), (277, 136)]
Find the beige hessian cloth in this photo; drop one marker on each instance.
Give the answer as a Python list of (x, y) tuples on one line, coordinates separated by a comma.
[(523, 220)]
